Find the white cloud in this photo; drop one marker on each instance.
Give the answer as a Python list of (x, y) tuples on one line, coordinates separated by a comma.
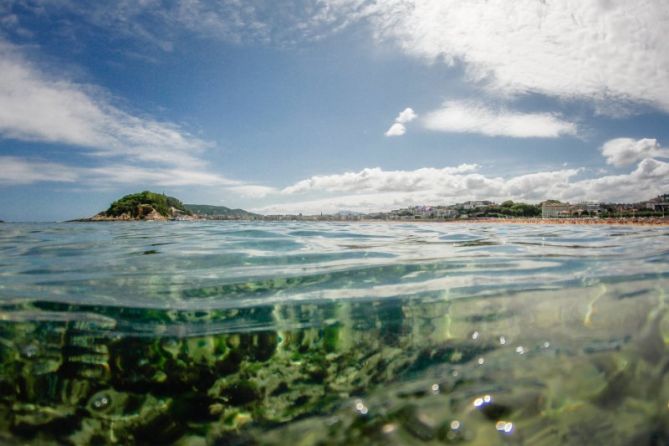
[(38, 107), (607, 50), (650, 178), (626, 151), (377, 190), (159, 22), (22, 171), (128, 174), (378, 180), (596, 49), (398, 128), (435, 185), (406, 115), (331, 205), (469, 117), (541, 185), (16, 171), (252, 190), (134, 149)]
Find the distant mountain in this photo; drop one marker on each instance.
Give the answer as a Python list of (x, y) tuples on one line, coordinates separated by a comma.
[(209, 211)]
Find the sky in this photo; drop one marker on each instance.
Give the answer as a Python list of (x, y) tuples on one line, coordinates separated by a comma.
[(330, 105)]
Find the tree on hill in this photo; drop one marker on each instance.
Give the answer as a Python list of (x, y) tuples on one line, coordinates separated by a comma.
[(525, 210), (512, 209), (132, 204), (219, 211)]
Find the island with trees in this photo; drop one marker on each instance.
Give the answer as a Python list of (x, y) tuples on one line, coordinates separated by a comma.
[(151, 206), (145, 205)]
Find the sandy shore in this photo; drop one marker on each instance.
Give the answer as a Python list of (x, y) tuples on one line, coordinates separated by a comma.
[(640, 221)]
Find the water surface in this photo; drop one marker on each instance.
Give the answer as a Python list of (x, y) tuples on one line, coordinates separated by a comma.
[(333, 333)]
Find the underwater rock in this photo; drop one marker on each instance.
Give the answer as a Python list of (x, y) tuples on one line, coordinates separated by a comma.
[(342, 373)]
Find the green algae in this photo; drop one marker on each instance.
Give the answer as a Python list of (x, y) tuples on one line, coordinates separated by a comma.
[(116, 388), (378, 372)]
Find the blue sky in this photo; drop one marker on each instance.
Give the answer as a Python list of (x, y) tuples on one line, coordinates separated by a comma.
[(327, 105)]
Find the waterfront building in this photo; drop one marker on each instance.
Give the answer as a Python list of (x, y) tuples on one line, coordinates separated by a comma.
[(659, 203), (555, 210), (469, 205)]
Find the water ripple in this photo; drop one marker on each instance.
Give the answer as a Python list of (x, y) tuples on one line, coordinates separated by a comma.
[(211, 266)]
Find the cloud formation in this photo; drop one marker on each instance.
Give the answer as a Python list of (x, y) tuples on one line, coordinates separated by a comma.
[(595, 49), (252, 190), (438, 184), (38, 107), (607, 51), (471, 117), (21, 171), (18, 171), (371, 189), (159, 23), (589, 49), (398, 128), (378, 180), (625, 151), (406, 115), (376, 189), (133, 149)]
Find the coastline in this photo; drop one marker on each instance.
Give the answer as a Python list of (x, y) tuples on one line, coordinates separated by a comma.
[(624, 221), (640, 221)]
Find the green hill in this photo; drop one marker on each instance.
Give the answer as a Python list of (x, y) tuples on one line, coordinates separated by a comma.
[(152, 206), (145, 205), (206, 210)]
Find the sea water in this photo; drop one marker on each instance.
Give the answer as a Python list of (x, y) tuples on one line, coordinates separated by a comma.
[(333, 333)]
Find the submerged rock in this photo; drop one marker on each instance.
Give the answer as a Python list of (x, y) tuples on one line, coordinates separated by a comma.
[(401, 372)]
